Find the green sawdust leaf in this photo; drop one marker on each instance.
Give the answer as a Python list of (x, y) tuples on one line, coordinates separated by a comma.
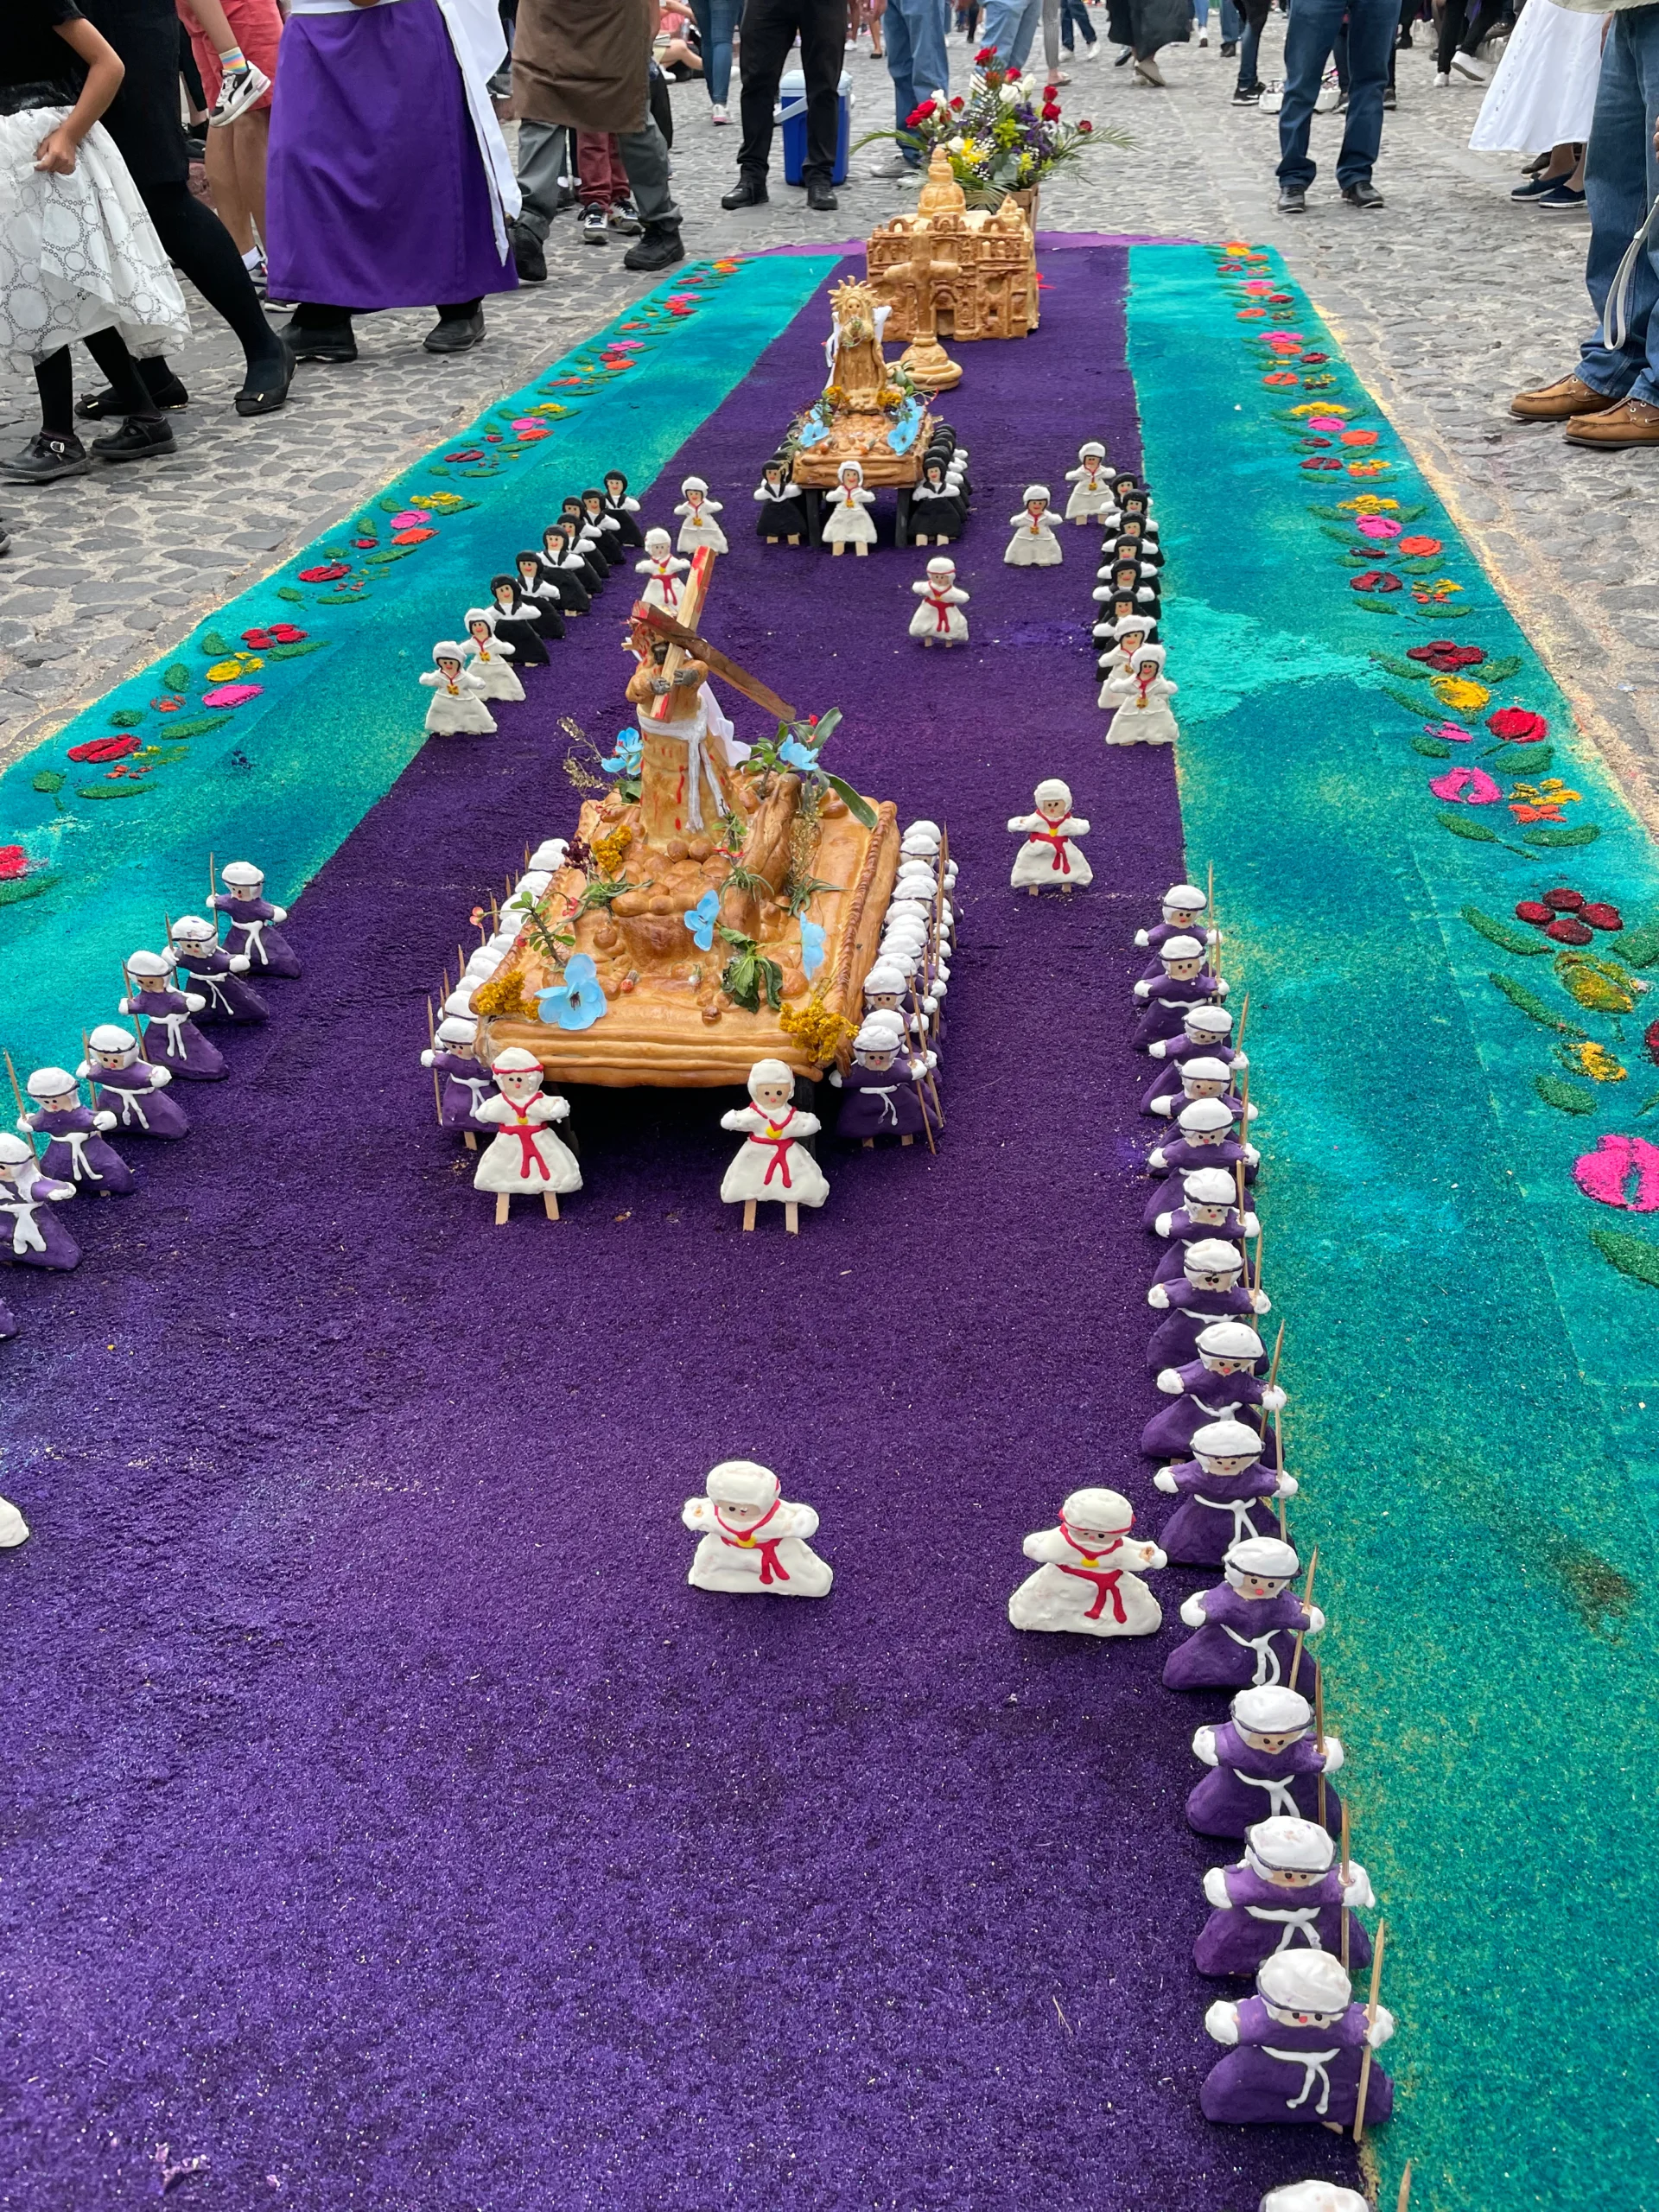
[(385, 560), (1637, 948), (1510, 935), (1464, 825), (1326, 514), (287, 591), (1404, 698), (1522, 760), (1432, 748), (439, 468), (1498, 671), (48, 780), (1441, 613), (1342, 536), (124, 789), (1413, 670), (1549, 833), (293, 651), (176, 675), (159, 755), (211, 643), (1373, 606), (1410, 514), (128, 718), (391, 503), (197, 725), (28, 886), (341, 598), (1567, 1098), (1536, 1009), (1632, 1255)]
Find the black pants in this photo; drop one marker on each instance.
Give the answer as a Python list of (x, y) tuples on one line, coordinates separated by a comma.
[(768, 31), (1457, 33)]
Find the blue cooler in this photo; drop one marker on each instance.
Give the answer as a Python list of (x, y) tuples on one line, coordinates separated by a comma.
[(792, 113)]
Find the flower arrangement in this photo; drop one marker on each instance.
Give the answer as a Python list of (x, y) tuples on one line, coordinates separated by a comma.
[(1003, 135)]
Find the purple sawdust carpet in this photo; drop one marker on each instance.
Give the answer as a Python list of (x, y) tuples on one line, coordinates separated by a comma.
[(390, 1825)]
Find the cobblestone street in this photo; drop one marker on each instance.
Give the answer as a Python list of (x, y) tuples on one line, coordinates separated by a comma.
[(1447, 302)]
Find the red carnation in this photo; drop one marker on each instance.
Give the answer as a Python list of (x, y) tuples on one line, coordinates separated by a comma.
[(1516, 726), (1374, 579), (1566, 929), (104, 748), (1445, 658), (328, 573), (957, 102), (984, 58), (14, 862), (1536, 911), (1650, 1039), (1563, 900), (1600, 916), (1085, 126), (1317, 463)]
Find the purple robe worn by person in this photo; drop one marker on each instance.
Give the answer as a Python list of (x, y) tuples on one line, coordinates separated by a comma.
[(388, 183), (31, 1235), (76, 1153), (1285, 1893), (1201, 1395), (252, 915), (1264, 1762), (135, 1091), (1298, 2050), (172, 1039)]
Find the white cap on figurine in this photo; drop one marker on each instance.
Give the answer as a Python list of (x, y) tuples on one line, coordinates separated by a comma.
[(482, 965), (454, 1031), (1271, 1710), (1184, 897), (110, 1037), (1226, 1440), (192, 929), (856, 466), (926, 826), (771, 1071), (1179, 948), (49, 1082), (941, 565), (884, 980), (1125, 623), (446, 649), (1304, 1981), (1200, 1070), (921, 837), (1033, 492), (14, 1150), (1313, 2196), (1230, 1340), (548, 856), (1212, 1255), (1143, 653), (658, 544), (1204, 1116), (1269, 1557), (879, 1035), (741, 1482), (1209, 1021), (514, 1060), (1052, 790), (1105, 1510), (1093, 451), (1209, 1186), (1289, 1845), (490, 614), (692, 484), (151, 963), (242, 876)]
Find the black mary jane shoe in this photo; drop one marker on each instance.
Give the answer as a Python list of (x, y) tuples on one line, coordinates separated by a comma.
[(45, 459), (456, 334), (140, 438), (264, 395)]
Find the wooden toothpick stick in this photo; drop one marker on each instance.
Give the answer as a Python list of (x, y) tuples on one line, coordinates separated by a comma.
[(1238, 1026), (432, 1034), (212, 880), (1371, 2022), (1403, 2201), (1307, 1599), (1318, 1735), (1342, 1906), (11, 1074)]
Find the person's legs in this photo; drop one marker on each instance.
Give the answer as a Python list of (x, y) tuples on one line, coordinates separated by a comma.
[(593, 168), (109, 349), (1621, 181), (824, 48), (906, 93), (1074, 16), (1006, 22), (199, 243), (1250, 49), (219, 161), (1452, 25), (542, 155), (1371, 27), (643, 154), (1025, 36), (917, 60), (1051, 21), (249, 137), (1339, 54), (1232, 23), (716, 21), (768, 32), (54, 380), (1310, 34)]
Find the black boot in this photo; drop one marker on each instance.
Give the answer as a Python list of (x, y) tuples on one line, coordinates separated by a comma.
[(459, 328), (659, 247), (529, 254), (747, 192)]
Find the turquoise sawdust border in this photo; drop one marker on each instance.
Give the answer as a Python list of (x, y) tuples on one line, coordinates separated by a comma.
[(1473, 1376), (275, 752)]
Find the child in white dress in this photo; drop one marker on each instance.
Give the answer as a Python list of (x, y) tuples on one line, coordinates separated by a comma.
[(850, 521), (939, 616), (1141, 693), (699, 528), (771, 1163), (663, 570), (753, 1542), (490, 658), (526, 1160), (457, 707), (1090, 499), (1048, 856), (1088, 1575), (1033, 544)]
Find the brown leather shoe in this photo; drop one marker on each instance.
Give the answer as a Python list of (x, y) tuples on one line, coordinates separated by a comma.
[(1632, 422), (1555, 402)]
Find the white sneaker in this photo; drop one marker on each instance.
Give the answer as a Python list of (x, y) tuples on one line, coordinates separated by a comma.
[(1089, 52), (1469, 65), (719, 114), (1204, 38), (1441, 77), (237, 94)]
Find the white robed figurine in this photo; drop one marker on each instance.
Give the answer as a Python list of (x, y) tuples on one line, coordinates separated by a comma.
[(771, 1162), (1088, 1577), (850, 521), (664, 571), (490, 658), (939, 616), (1049, 857), (1141, 694), (457, 707), (753, 1542), (1033, 544), (699, 527), (1091, 499), (1127, 634), (526, 1160)]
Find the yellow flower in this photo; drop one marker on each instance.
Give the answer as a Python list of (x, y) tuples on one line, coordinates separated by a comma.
[(1461, 693), (1368, 504), (972, 150), (1320, 407), (1593, 1060)]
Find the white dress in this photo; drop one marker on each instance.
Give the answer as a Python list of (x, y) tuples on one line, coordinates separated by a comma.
[(492, 665), (1143, 716), (78, 253), (1092, 496), (457, 707), (510, 1161), (666, 583), (849, 523), (1090, 1594), (940, 614), (771, 1165), (1047, 857), (770, 1557), (1543, 90), (1033, 544), (700, 528)]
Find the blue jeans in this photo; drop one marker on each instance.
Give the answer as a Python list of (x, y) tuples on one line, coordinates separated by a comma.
[(1310, 38), (917, 61), (1232, 24), (1249, 74), (716, 20), (1075, 16), (1621, 179), (1010, 27)]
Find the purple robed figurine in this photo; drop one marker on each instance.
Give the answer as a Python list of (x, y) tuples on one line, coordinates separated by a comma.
[(881, 1092), (129, 1086), (253, 919), (1165, 1003), (213, 974), (1226, 1494), (76, 1152), (1264, 1762), (1245, 1630), (1298, 2050), (1181, 911), (467, 1081), (31, 1236), (172, 1039), (1207, 1289), (1206, 1208), (1287, 1893), (1219, 1385), (1173, 1055)]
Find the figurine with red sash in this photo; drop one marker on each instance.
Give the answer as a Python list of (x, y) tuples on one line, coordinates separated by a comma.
[(753, 1544)]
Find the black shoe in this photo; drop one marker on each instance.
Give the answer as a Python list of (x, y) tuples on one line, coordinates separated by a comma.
[(1247, 95), (1293, 200), (747, 192), (529, 256), (1363, 195), (100, 407), (455, 333), (657, 247), (141, 437), (264, 390), (819, 196), (1128, 54), (319, 341), (1389, 99), (47, 457), (1229, 48)]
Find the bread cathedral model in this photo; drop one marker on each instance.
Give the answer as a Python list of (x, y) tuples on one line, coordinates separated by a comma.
[(950, 272)]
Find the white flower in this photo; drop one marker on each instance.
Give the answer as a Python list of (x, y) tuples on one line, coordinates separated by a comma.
[(1009, 96)]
